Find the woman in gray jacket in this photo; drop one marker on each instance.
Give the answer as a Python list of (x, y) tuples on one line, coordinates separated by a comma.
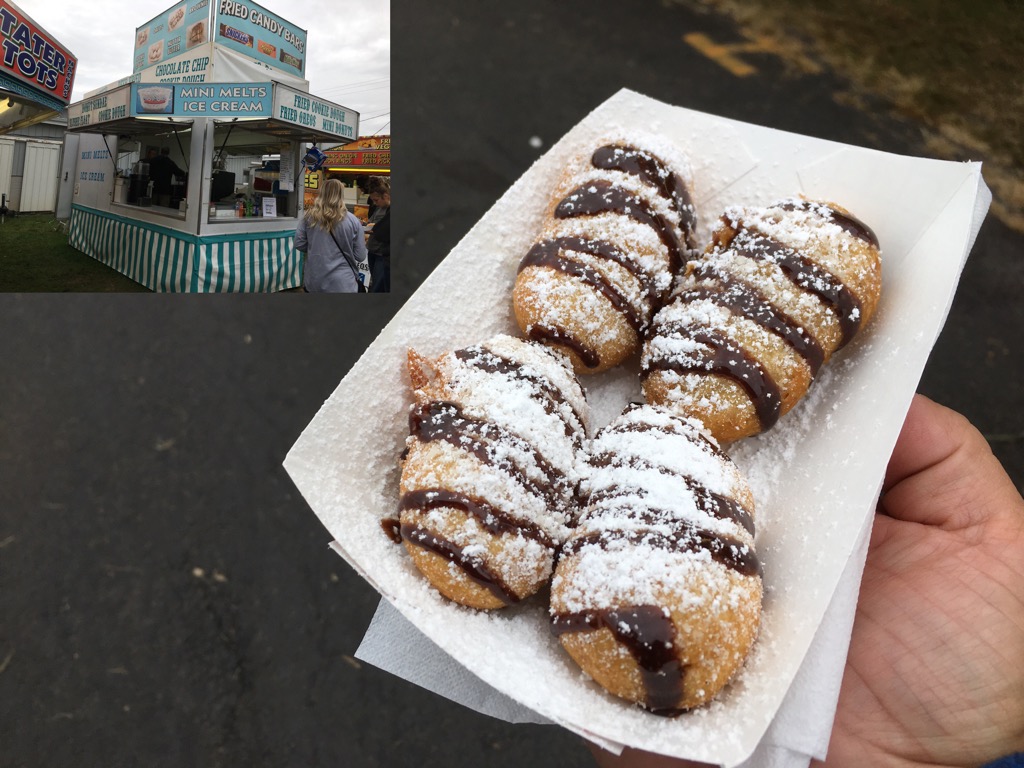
[(333, 240)]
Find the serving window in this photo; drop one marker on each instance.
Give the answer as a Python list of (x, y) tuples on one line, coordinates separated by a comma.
[(153, 169), (252, 174)]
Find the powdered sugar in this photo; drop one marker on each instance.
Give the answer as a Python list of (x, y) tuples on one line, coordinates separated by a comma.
[(539, 415), (649, 473)]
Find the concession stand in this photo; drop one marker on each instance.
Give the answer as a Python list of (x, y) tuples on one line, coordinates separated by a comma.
[(188, 174), (37, 74), (366, 156)]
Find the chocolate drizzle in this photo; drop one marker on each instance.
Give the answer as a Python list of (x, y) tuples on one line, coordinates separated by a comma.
[(447, 422), (549, 334), (806, 274), (618, 521), (846, 221), (392, 528), (714, 504), (472, 566), (550, 258), (601, 196), (497, 447), (744, 300), (717, 353), (674, 428), (493, 519), (597, 196), (553, 400), (726, 550), (650, 636), (547, 253), (653, 171)]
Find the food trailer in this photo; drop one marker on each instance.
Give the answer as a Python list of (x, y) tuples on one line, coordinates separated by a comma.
[(366, 156), (154, 193)]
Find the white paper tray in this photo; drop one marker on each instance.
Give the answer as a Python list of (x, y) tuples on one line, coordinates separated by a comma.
[(816, 475)]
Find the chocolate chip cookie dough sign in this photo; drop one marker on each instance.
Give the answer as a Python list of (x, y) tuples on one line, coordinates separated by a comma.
[(192, 67), (172, 33), (246, 27)]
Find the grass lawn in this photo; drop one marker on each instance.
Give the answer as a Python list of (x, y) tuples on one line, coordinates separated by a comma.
[(35, 256)]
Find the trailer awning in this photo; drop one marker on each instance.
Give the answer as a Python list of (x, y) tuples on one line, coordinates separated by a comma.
[(268, 109)]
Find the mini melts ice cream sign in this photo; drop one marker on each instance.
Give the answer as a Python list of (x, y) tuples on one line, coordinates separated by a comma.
[(206, 100), (31, 55), (246, 27), (172, 33)]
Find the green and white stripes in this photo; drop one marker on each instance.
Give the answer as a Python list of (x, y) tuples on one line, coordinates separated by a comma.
[(249, 262), (165, 260)]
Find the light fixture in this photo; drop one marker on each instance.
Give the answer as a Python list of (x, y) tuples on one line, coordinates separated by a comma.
[(10, 102)]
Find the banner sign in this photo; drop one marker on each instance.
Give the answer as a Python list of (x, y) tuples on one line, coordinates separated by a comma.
[(173, 32), (112, 105), (292, 106), (260, 101), (368, 161), (370, 154), (240, 25), (202, 100), (244, 26), (33, 56), (194, 67)]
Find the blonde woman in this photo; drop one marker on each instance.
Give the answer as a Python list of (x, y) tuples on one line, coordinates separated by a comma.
[(333, 240)]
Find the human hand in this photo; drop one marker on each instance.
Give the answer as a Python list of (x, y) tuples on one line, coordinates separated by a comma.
[(935, 672)]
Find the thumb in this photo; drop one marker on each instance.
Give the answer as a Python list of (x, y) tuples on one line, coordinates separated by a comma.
[(942, 472)]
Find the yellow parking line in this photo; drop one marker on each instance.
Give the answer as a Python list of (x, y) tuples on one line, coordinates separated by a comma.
[(725, 54)]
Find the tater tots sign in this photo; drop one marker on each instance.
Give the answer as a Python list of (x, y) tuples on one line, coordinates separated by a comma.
[(33, 56)]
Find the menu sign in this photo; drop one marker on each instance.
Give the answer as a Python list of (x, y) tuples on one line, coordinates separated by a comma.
[(33, 56), (244, 26), (205, 100), (240, 25), (368, 153), (172, 33), (292, 106), (111, 105), (194, 67)]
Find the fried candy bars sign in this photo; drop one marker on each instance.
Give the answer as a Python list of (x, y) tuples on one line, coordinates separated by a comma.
[(31, 55), (246, 27)]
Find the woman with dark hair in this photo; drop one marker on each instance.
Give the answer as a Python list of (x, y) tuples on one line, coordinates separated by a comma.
[(379, 244), (333, 240)]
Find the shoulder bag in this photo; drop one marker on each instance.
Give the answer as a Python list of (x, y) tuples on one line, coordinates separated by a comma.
[(360, 269)]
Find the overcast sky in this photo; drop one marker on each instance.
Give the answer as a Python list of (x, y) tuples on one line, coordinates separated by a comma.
[(348, 44)]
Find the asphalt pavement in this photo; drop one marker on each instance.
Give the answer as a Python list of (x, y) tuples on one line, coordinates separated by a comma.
[(166, 596)]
